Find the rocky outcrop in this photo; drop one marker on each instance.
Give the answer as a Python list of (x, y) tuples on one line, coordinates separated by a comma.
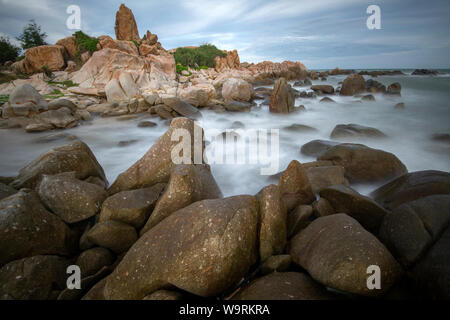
[(126, 28), (70, 46), (230, 61), (237, 89), (24, 101), (286, 69), (121, 45), (282, 99)]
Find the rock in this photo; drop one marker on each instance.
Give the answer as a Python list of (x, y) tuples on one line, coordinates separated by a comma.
[(363, 164), (155, 166), (61, 118), (237, 106), (272, 232), (70, 46), (121, 45), (198, 95), (6, 191), (287, 69), (298, 219), (39, 127), (146, 124), (400, 105), (183, 108), (96, 292), (131, 207), (394, 89), (24, 100), (315, 148), (355, 131), (33, 278), (75, 156), (28, 229), (375, 86), (217, 257), (346, 200), (322, 208), (230, 61), (325, 176), (279, 263), (423, 72), (150, 39), (284, 286), (36, 58), (295, 187), (300, 128), (336, 251), (187, 184), (282, 99), (441, 137), (114, 235), (164, 295), (62, 103), (412, 228), (237, 90), (161, 110), (353, 84), (92, 260), (71, 199), (127, 143), (122, 89), (323, 88), (83, 115), (368, 97), (126, 28), (327, 100), (412, 186)]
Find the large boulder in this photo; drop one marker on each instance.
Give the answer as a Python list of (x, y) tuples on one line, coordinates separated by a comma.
[(123, 88), (75, 156), (131, 207), (294, 186), (315, 148), (273, 228), (93, 260), (126, 28), (413, 227), (155, 166), (34, 278), (412, 186), (353, 84), (203, 249), (71, 199), (325, 88), (346, 200), (282, 99), (237, 89), (199, 95), (24, 100), (230, 61), (337, 251), (51, 56), (188, 183), (363, 164), (28, 229), (355, 131), (322, 177), (284, 286), (70, 46), (183, 108), (114, 235), (60, 119), (121, 45)]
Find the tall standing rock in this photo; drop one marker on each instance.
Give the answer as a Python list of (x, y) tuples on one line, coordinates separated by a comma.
[(282, 99), (126, 28)]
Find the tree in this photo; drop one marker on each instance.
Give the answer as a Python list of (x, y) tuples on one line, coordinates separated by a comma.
[(32, 36), (8, 51)]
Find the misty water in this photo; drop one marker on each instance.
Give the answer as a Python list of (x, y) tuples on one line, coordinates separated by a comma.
[(427, 112)]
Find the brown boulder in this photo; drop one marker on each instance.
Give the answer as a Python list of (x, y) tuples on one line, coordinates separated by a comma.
[(230, 61), (131, 207), (363, 164), (155, 166), (70, 46), (92, 260), (75, 156), (126, 28), (295, 187), (121, 45), (355, 131), (412, 186), (28, 229), (353, 84), (203, 249), (282, 99), (114, 235), (51, 56), (284, 286), (336, 251), (322, 177), (187, 184), (272, 232), (323, 88)]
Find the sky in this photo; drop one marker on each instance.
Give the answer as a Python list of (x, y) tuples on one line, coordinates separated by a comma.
[(322, 34)]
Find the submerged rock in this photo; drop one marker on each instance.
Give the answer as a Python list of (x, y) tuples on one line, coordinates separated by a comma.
[(343, 131), (315, 148), (353, 84)]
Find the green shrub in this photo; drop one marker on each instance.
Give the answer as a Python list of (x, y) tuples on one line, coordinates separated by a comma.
[(201, 57), (8, 51), (65, 84), (181, 68), (85, 43), (4, 98)]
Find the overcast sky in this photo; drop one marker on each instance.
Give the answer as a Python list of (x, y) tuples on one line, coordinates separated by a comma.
[(319, 33)]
